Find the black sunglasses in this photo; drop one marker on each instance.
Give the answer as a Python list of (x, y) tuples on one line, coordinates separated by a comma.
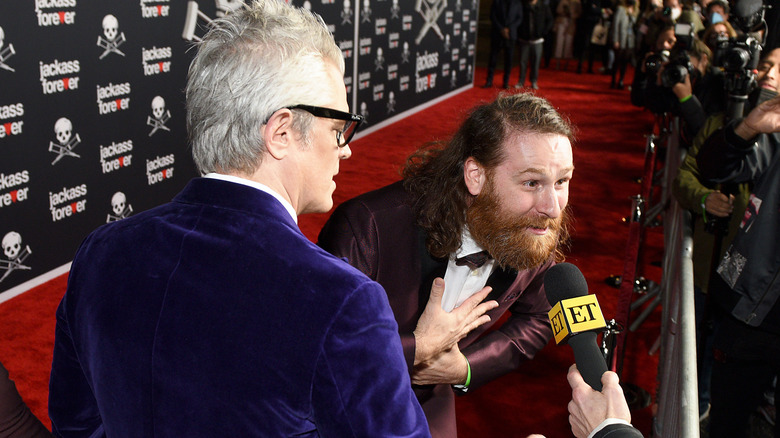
[(353, 121)]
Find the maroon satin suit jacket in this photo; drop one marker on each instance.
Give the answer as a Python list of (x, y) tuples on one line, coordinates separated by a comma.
[(377, 234)]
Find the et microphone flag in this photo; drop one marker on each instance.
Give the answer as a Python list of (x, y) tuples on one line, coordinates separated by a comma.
[(576, 315)]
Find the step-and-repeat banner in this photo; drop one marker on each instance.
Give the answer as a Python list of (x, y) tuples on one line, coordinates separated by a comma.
[(92, 115)]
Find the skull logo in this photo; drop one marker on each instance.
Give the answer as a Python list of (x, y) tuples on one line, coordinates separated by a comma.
[(12, 244), (158, 107), (229, 5), (110, 27), (118, 202), (63, 128)]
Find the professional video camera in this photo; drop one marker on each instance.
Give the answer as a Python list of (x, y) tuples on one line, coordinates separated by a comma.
[(739, 56)]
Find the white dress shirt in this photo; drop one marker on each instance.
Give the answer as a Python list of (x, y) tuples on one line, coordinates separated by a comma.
[(461, 282)]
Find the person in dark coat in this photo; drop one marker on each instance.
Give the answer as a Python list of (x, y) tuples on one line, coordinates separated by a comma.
[(505, 17), (537, 23)]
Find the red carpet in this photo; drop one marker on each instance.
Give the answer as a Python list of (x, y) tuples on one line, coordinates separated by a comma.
[(608, 157)]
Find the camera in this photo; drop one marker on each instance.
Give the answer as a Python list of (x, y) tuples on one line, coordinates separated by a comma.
[(676, 70), (654, 62), (741, 54)]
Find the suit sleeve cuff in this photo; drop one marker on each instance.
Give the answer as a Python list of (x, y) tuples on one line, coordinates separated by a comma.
[(607, 422)]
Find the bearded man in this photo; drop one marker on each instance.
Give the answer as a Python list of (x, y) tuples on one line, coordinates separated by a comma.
[(486, 209)]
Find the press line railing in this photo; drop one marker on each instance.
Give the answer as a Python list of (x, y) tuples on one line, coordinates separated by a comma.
[(676, 391)]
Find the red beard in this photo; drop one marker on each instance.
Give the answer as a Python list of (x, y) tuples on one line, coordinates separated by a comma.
[(507, 237)]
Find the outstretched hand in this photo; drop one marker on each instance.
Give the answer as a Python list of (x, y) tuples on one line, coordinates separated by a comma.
[(763, 119)]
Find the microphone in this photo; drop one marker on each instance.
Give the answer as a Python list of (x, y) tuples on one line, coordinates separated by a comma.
[(747, 14), (576, 319)]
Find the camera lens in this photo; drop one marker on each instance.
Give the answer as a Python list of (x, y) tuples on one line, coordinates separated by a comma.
[(736, 59)]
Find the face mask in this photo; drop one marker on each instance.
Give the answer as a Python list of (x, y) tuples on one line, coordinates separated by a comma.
[(716, 18)]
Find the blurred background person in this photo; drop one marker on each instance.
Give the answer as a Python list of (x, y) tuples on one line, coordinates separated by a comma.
[(537, 22), (505, 17), (623, 38), (565, 27)]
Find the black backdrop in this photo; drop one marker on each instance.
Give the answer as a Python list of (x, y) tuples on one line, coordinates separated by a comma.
[(92, 105)]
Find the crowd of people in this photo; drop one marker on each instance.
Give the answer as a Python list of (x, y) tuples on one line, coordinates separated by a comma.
[(716, 67), (576, 33), (374, 329)]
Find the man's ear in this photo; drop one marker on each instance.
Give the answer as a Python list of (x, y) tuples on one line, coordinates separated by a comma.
[(473, 175), (278, 133)]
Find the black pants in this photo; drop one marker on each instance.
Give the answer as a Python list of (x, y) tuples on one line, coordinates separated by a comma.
[(496, 46), (746, 360), (534, 52)]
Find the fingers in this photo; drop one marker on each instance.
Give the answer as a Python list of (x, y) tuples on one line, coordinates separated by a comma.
[(484, 319), (437, 291), (474, 300), (718, 204), (574, 377), (610, 379)]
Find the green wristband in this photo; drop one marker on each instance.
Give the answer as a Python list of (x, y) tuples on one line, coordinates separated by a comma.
[(468, 374), (703, 207), (686, 98)]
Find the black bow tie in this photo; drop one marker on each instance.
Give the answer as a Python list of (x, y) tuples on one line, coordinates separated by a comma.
[(474, 260)]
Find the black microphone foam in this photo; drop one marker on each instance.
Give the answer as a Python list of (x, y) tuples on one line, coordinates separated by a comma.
[(746, 8), (564, 281)]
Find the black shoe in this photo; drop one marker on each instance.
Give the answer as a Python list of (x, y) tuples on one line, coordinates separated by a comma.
[(506, 86), (620, 85), (488, 84)]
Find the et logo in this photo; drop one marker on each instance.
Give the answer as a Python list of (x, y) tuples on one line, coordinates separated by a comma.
[(576, 315)]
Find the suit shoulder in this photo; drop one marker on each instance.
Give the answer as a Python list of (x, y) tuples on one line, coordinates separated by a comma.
[(387, 197)]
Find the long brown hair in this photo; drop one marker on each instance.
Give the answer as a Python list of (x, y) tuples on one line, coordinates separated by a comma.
[(434, 173)]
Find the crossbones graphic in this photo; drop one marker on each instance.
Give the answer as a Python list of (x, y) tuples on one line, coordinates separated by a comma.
[(113, 38), (12, 248), (6, 52), (67, 142), (430, 10), (161, 115)]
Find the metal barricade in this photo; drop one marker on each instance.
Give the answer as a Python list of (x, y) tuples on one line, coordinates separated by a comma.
[(677, 396)]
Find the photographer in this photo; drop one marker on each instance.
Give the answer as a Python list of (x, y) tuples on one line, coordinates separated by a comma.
[(672, 12), (684, 82), (747, 289), (647, 71)]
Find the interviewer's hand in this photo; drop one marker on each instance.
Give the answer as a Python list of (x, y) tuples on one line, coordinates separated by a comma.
[(438, 331), (589, 408)]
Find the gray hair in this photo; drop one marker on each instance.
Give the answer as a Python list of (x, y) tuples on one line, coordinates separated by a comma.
[(251, 63)]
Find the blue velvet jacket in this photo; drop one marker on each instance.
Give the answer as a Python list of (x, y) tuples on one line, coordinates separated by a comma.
[(213, 315)]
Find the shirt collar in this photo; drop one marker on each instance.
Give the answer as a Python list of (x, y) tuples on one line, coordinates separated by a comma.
[(258, 186), (467, 245)]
